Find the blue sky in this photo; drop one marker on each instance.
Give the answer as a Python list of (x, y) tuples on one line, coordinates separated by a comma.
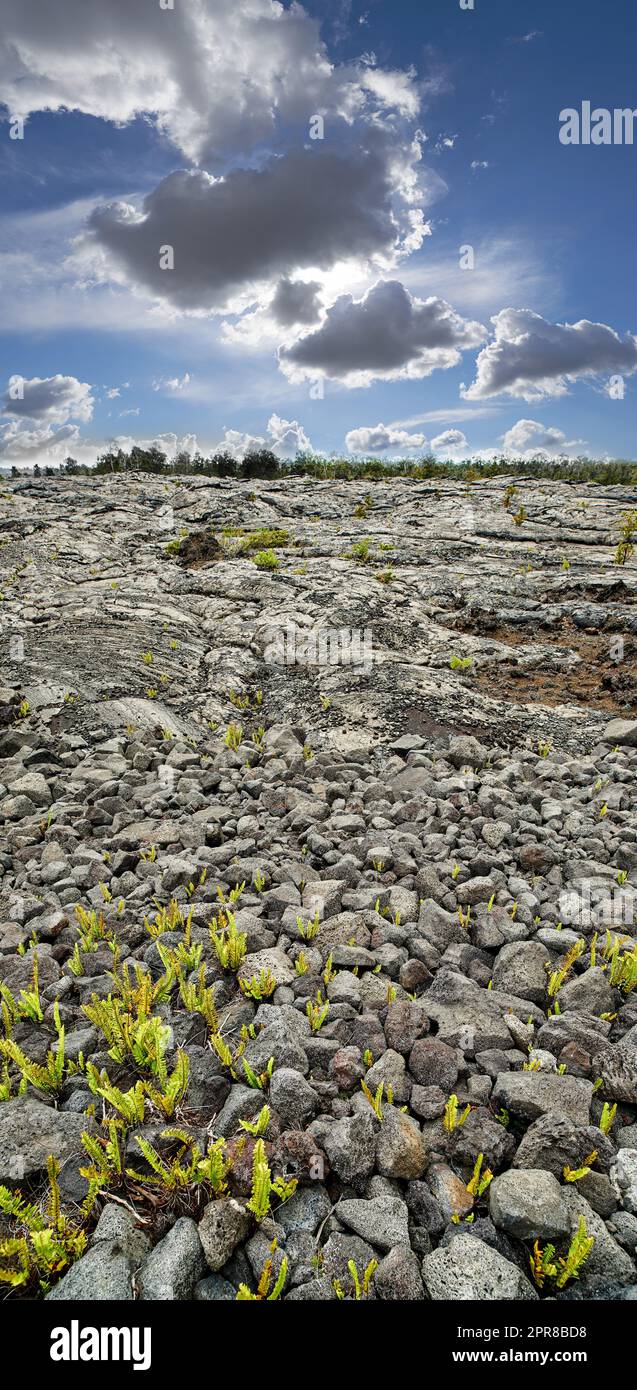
[(441, 130)]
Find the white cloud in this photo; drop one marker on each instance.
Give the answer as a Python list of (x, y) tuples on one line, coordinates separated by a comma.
[(218, 76), (381, 439), (385, 336), (451, 444), (529, 438), (285, 438), (25, 444), (532, 358), (172, 384), (169, 443)]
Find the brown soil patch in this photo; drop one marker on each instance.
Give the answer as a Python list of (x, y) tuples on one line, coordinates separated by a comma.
[(199, 548), (598, 682)]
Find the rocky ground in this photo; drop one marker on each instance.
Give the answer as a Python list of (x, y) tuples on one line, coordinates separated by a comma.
[(418, 1008)]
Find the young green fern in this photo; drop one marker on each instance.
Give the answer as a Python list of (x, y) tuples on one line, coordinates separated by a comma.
[(259, 1126), (481, 1179), (360, 1284), (376, 1101), (230, 944), (48, 1076), (106, 1169), (190, 1166), (47, 1244), (261, 986), (263, 1185), (317, 1011), (544, 1266), (265, 1291), (452, 1120)]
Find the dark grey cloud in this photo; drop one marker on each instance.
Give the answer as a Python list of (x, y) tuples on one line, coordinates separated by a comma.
[(531, 357), (311, 208), (385, 335), (54, 399), (296, 301)]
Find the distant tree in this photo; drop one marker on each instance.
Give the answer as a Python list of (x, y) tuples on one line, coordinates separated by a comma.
[(146, 460), (260, 463), (225, 464)]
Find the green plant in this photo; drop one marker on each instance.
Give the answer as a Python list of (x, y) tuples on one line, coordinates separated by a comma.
[(257, 1127), (210, 1169), (317, 1011), (92, 928), (172, 1088), (308, 930), (607, 1118), (376, 1101), (47, 1244), (264, 1287), (266, 560), (359, 551), (260, 986), (329, 971), (627, 533), (257, 1082), (142, 1037), (48, 1076), (464, 918), (263, 1185), (259, 881), (28, 1005), (233, 736), (198, 997), (622, 965), (106, 1168), (360, 1285), (230, 944), (558, 976), (574, 1174), (520, 516), (543, 1265), (480, 1180), (451, 1119), (460, 663), (544, 747)]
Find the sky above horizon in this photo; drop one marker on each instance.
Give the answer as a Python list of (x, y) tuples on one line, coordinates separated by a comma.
[(348, 226)]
